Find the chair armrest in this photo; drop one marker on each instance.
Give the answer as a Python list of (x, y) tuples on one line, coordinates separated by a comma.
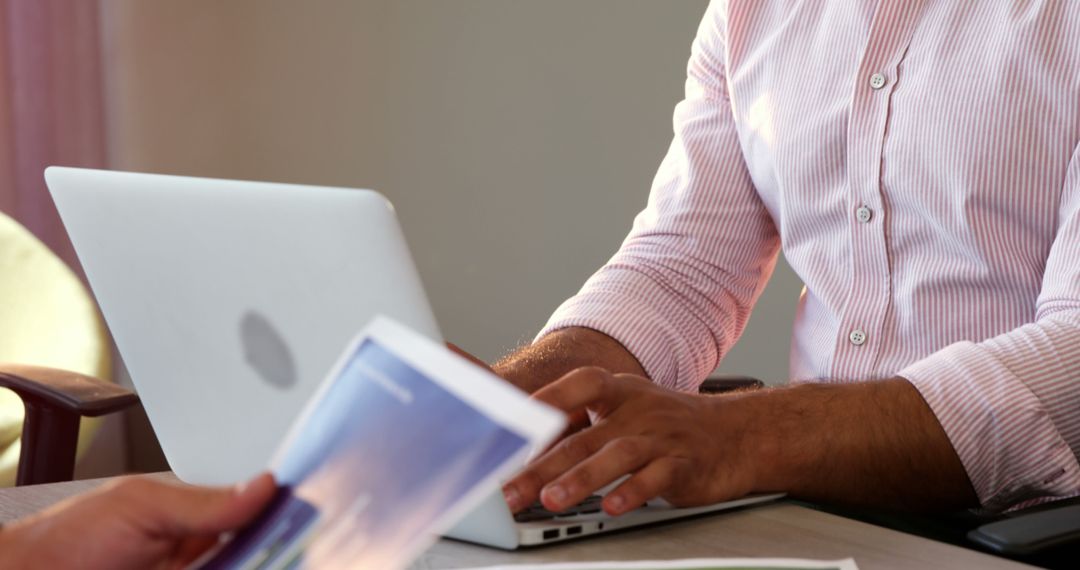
[(66, 390), (728, 383), (54, 401)]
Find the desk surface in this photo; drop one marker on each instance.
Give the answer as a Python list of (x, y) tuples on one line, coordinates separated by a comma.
[(774, 530)]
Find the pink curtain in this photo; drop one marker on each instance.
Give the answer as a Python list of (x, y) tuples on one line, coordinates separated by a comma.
[(51, 105)]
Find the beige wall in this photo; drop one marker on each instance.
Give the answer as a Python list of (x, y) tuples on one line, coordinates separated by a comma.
[(517, 138)]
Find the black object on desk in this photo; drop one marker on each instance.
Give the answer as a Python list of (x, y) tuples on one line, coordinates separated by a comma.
[(728, 383)]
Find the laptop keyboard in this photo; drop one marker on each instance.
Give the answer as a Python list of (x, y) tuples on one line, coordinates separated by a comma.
[(537, 512)]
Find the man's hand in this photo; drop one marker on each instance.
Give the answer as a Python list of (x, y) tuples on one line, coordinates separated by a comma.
[(676, 446), (873, 443), (133, 523), (536, 365)]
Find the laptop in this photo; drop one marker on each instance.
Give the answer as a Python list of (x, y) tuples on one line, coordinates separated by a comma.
[(230, 300)]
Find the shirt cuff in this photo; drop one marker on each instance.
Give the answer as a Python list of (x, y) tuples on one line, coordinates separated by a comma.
[(998, 427), (634, 324)]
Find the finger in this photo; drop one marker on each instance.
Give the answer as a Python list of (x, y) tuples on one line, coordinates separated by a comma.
[(581, 388), (649, 483), (576, 422), (617, 458), (589, 386), (524, 488), (581, 419), (184, 510), (249, 499)]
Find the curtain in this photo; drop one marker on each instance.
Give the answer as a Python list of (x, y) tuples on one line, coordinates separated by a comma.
[(51, 105)]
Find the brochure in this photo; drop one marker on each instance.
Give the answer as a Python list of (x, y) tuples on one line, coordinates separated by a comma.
[(401, 439)]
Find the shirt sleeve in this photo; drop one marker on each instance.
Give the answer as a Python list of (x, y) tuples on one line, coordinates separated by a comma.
[(1011, 405), (679, 291)]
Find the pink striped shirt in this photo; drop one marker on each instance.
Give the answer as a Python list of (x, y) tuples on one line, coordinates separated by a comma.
[(919, 164)]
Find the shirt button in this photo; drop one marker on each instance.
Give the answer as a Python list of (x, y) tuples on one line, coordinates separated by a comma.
[(864, 214), (877, 81), (857, 337)]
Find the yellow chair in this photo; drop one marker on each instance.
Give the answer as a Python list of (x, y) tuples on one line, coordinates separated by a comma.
[(53, 346)]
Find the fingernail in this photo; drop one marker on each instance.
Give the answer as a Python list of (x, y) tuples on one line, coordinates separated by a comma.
[(513, 498), (616, 502), (556, 493)]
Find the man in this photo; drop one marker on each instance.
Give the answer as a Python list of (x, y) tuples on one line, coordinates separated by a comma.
[(919, 164), (133, 522)]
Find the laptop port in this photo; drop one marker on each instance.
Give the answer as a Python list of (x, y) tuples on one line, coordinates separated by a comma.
[(573, 530), (551, 534)]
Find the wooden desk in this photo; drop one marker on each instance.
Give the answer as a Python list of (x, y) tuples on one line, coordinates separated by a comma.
[(773, 530)]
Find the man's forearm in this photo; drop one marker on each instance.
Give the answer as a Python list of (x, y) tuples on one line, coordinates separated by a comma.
[(868, 443), (549, 358)]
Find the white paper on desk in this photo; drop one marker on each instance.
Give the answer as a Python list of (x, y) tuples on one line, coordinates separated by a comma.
[(691, 564), (400, 440)]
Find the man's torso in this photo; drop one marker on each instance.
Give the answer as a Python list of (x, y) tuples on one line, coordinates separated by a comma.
[(918, 206)]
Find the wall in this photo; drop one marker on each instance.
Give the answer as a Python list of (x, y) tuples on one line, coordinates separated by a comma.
[(517, 138)]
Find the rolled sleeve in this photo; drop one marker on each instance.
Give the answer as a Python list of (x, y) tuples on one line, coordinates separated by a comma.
[(680, 290), (618, 303), (1001, 430)]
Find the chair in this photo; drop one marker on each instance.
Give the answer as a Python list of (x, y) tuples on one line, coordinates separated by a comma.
[(53, 349)]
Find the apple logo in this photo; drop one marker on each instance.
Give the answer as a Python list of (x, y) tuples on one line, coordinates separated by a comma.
[(266, 352)]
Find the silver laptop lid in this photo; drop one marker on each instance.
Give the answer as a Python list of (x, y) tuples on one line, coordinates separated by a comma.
[(229, 301)]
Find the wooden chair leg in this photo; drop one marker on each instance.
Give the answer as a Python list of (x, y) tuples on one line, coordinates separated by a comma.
[(49, 438)]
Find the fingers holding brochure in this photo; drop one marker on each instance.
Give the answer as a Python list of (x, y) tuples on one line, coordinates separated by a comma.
[(133, 522)]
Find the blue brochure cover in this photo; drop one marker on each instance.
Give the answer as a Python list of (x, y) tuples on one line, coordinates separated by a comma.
[(400, 440)]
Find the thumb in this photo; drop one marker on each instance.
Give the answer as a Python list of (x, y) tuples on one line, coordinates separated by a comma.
[(182, 510)]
